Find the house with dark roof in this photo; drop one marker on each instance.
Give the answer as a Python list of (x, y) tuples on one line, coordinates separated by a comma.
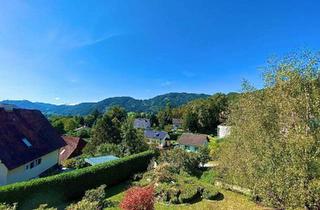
[(29, 145), (176, 123), (142, 123), (159, 137), (192, 142), (73, 148)]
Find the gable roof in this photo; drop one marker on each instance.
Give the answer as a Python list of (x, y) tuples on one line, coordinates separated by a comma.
[(31, 126), (142, 123), (73, 148), (152, 134), (177, 122), (193, 139)]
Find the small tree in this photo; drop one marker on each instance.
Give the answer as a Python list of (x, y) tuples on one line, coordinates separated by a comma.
[(138, 198), (204, 155), (181, 160), (92, 200), (132, 140)]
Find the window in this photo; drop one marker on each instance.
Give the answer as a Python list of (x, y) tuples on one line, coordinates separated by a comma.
[(33, 164), (39, 161), (26, 142), (62, 151)]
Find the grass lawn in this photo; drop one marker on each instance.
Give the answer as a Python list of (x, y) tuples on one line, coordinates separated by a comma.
[(231, 201)]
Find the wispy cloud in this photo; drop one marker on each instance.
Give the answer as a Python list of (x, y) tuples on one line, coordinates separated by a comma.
[(64, 38), (188, 74), (166, 83), (57, 99), (93, 41)]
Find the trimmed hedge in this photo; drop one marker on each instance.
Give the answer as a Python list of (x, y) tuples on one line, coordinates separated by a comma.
[(72, 185)]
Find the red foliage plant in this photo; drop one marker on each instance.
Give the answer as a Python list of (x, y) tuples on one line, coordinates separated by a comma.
[(138, 198)]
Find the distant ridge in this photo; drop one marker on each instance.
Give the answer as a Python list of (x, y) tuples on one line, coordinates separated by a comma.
[(129, 103)]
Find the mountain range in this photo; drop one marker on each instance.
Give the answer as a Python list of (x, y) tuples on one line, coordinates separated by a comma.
[(129, 103)]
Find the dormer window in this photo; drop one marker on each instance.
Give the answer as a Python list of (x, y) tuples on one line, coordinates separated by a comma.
[(26, 142)]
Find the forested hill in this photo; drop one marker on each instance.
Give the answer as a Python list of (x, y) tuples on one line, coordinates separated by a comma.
[(129, 103)]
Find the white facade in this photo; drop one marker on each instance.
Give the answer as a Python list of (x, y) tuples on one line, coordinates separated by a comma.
[(223, 131), (26, 172)]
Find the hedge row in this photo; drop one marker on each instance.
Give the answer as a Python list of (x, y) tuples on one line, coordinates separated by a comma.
[(72, 185)]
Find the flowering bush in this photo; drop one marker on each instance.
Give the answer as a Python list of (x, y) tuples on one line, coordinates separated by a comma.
[(138, 198)]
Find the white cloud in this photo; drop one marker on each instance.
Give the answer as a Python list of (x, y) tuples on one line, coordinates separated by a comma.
[(57, 99)]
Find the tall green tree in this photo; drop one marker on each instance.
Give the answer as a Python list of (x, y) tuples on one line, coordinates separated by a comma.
[(165, 115), (274, 144), (106, 132), (117, 113), (133, 140), (204, 115)]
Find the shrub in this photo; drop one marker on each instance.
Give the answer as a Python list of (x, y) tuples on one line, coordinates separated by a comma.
[(45, 207), (96, 195), (71, 185), (109, 149), (4, 206), (209, 176), (163, 173), (75, 163), (138, 198), (181, 160), (84, 205), (189, 193), (93, 199), (210, 193)]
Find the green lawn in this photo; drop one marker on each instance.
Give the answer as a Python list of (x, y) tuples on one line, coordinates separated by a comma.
[(231, 201)]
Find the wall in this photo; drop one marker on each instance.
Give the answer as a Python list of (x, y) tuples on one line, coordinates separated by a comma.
[(3, 174), (223, 131), (21, 174)]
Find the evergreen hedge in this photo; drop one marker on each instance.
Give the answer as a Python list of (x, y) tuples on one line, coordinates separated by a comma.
[(72, 185)]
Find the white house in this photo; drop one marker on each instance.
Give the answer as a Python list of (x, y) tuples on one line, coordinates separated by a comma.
[(29, 145), (223, 131)]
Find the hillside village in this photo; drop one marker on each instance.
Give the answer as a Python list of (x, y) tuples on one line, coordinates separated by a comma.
[(175, 158), (29, 136), (159, 105), (61, 145)]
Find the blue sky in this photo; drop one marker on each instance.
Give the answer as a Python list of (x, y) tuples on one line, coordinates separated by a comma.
[(75, 51)]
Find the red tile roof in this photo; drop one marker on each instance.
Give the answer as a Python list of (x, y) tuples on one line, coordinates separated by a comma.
[(73, 148), (31, 125), (193, 139)]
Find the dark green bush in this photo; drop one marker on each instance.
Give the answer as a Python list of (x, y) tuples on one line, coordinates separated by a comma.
[(189, 193), (210, 193), (72, 185)]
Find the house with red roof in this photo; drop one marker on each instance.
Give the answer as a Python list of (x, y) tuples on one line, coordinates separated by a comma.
[(29, 145), (73, 148)]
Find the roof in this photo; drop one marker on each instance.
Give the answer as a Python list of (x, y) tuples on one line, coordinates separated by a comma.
[(21, 127), (142, 123), (73, 148), (99, 160), (152, 134), (177, 122), (193, 139)]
